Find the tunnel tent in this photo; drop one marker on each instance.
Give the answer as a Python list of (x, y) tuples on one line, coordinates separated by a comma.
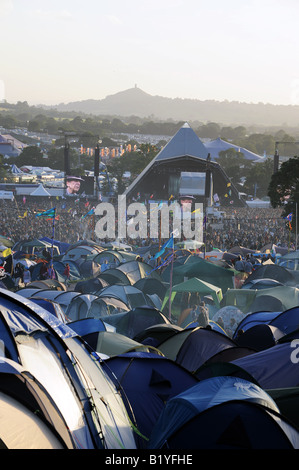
[(90, 286), (62, 298), (131, 296), (114, 257), (114, 276), (106, 306), (79, 306), (136, 270), (28, 291)]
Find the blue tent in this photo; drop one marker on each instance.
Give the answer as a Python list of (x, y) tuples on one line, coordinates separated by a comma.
[(287, 321), (219, 145), (148, 382), (276, 367), (200, 346), (255, 318), (222, 412)]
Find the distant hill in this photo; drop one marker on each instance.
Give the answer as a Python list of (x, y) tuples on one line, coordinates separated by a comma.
[(136, 102)]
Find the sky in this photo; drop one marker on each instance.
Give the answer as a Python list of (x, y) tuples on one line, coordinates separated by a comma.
[(71, 50)]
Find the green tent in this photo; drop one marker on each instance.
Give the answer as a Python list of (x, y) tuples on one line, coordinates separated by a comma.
[(195, 285), (249, 300), (205, 271)]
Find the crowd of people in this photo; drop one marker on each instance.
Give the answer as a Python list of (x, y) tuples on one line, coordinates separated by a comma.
[(251, 228)]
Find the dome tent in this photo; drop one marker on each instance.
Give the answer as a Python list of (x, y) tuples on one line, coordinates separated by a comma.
[(223, 413), (46, 348)]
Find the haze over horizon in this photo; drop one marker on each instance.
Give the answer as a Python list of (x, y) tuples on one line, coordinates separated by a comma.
[(72, 50)]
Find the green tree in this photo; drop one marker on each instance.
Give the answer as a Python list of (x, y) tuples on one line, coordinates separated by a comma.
[(258, 178), (284, 187), (234, 164), (31, 155)]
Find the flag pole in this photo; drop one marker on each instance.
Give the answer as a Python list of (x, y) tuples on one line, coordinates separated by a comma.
[(170, 281), (53, 232)]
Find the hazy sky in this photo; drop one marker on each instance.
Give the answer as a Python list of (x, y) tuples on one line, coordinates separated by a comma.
[(60, 51)]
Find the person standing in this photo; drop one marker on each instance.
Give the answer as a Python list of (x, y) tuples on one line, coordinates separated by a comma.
[(66, 272)]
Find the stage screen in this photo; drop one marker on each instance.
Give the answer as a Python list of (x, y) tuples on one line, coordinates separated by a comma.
[(192, 183), (77, 186)]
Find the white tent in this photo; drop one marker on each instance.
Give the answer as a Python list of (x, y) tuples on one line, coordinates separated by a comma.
[(40, 191)]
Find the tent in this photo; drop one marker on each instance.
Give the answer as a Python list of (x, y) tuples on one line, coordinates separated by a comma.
[(223, 413), (40, 191), (260, 283), (89, 269), (58, 359), (275, 272), (79, 306), (220, 145), (255, 318), (110, 343), (131, 296), (146, 382), (260, 337), (199, 347), (138, 319), (136, 270), (106, 306), (284, 297), (29, 418), (90, 286), (52, 307), (80, 253), (194, 285), (222, 369), (176, 346), (156, 334), (228, 318), (150, 286), (223, 278), (114, 257), (274, 367), (114, 276)]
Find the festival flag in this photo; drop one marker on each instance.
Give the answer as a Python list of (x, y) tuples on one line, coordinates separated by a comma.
[(168, 244), (91, 212), (49, 213), (289, 218), (6, 253)]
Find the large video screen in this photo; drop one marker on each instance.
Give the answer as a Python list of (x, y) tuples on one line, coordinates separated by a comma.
[(192, 183), (77, 186)]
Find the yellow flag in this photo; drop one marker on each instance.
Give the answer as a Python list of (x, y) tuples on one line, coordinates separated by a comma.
[(6, 252)]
